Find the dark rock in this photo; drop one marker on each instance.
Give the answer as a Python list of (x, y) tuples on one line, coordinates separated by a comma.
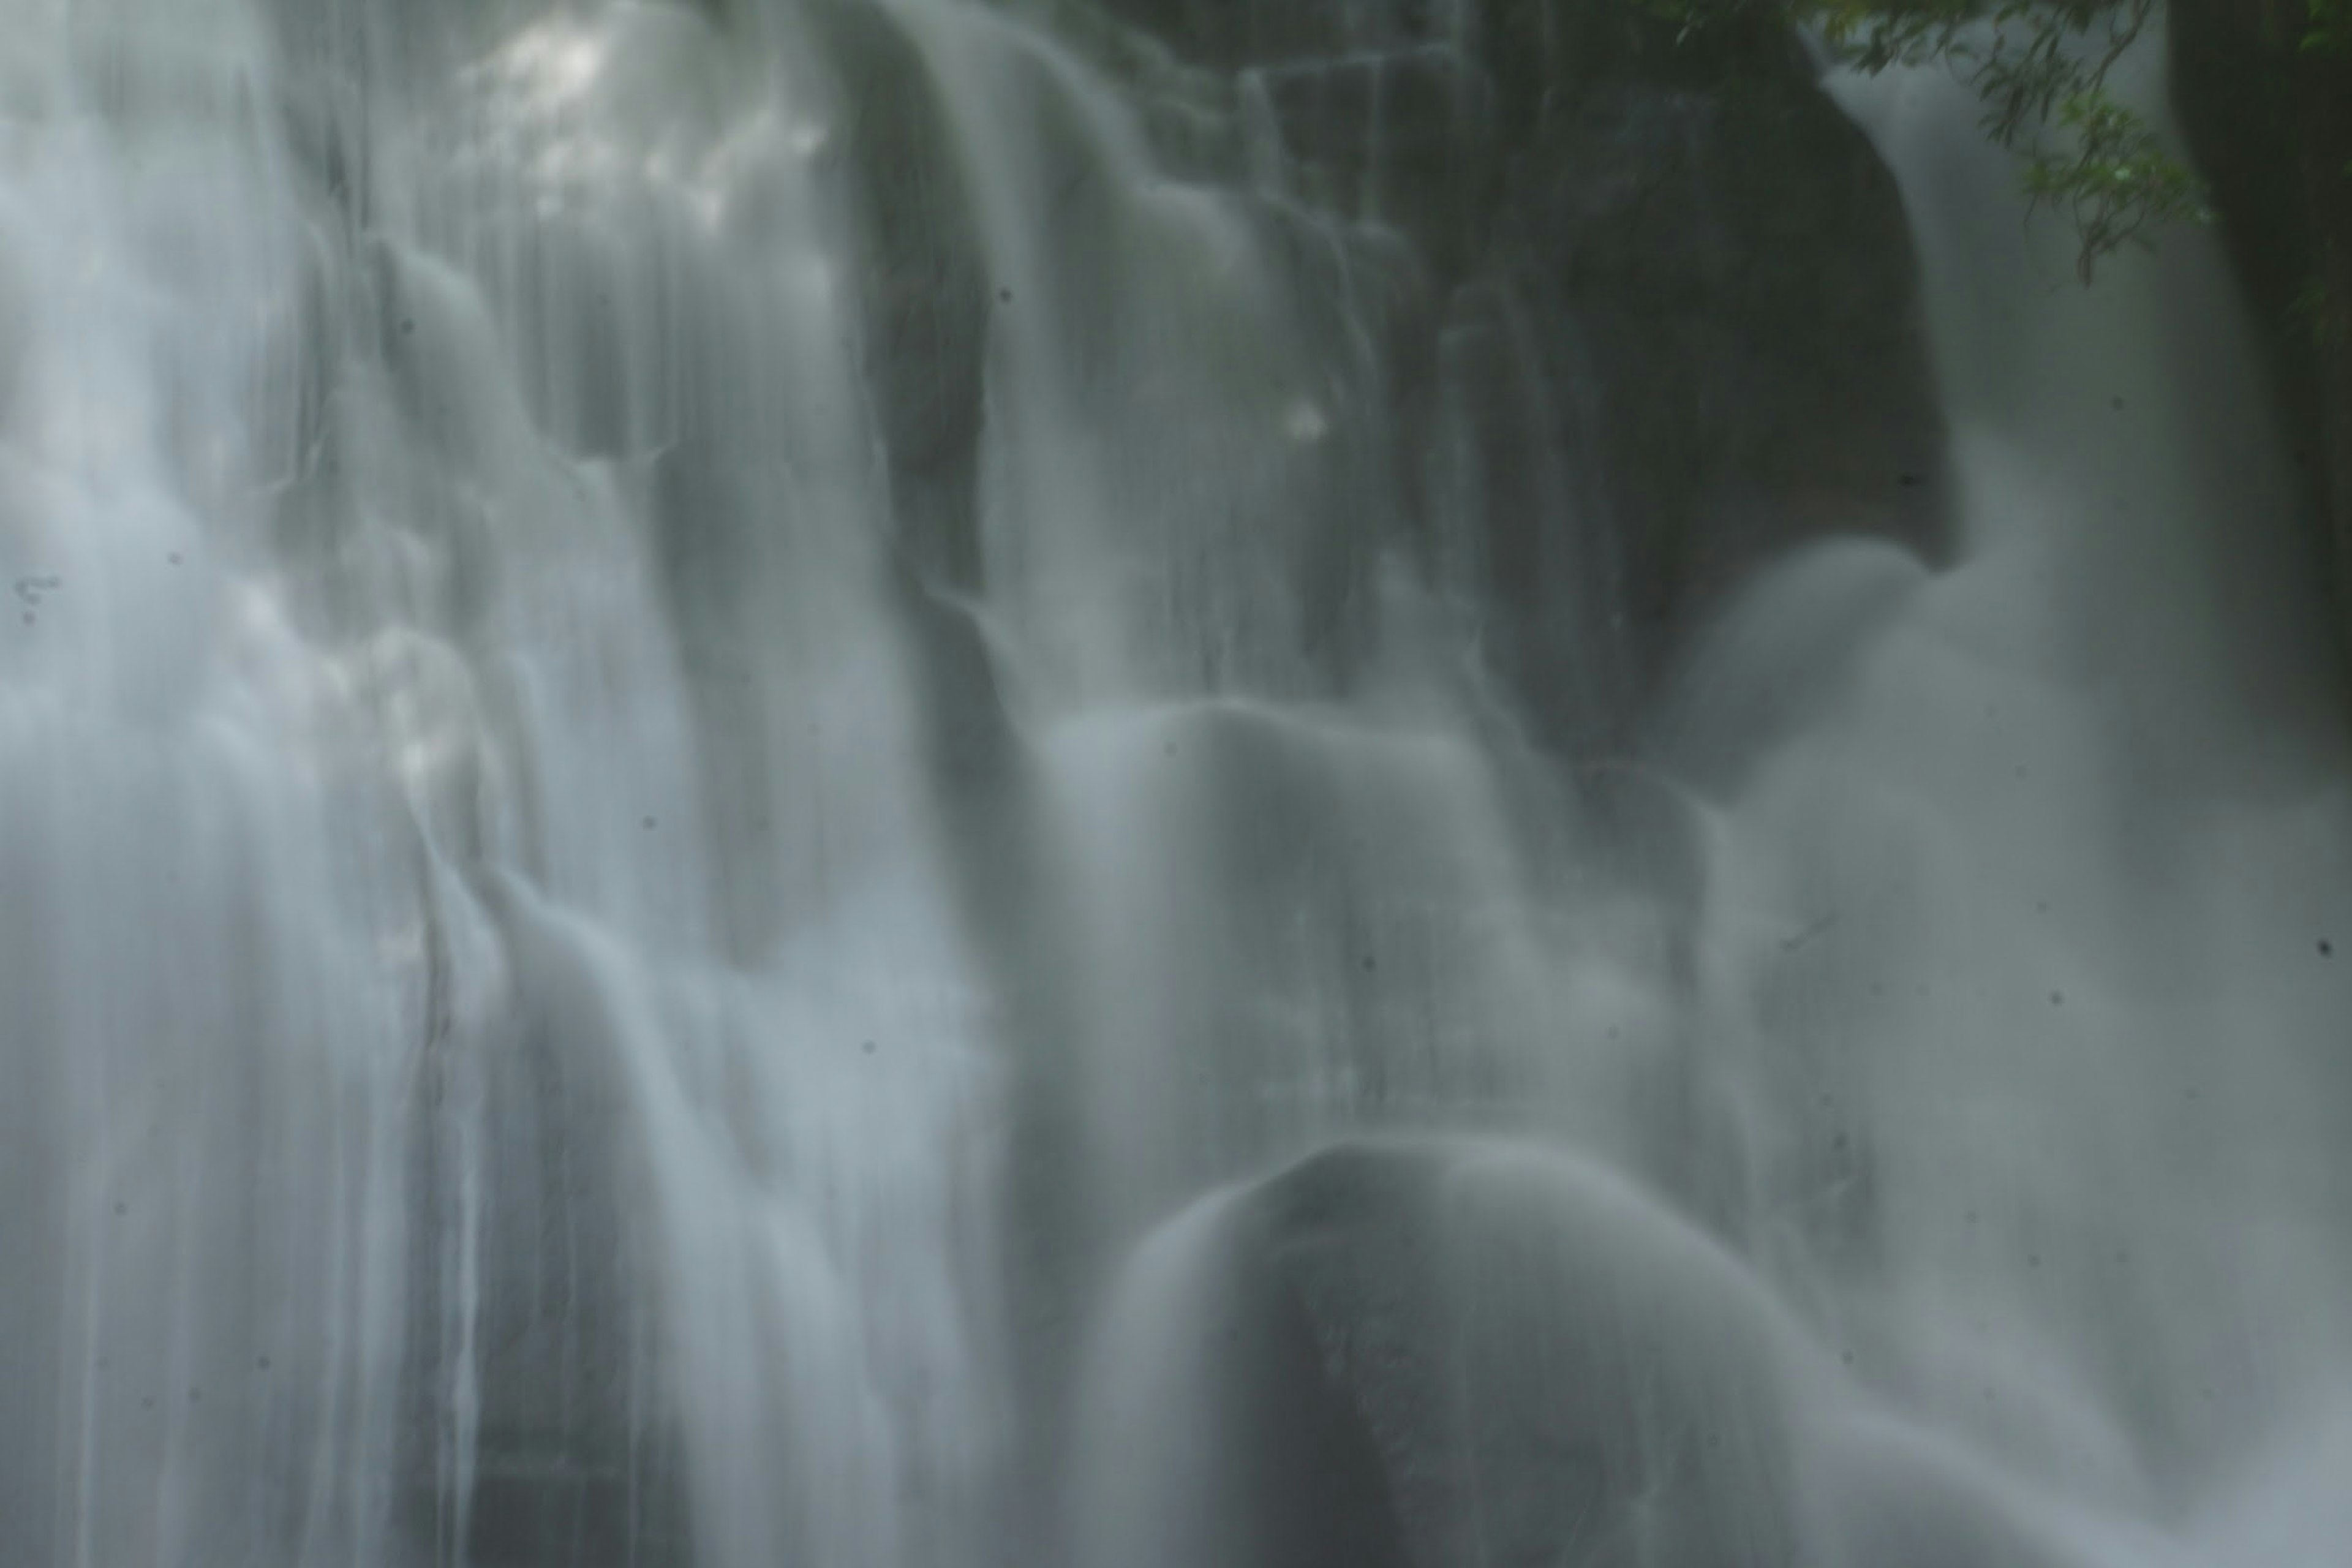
[(574, 1460), (1676, 327), (927, 295), (1727, 269), (1403, 138), (2269, 126), (1424, 1354)]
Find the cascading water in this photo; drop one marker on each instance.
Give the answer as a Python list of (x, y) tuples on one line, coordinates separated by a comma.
[(722, 717)]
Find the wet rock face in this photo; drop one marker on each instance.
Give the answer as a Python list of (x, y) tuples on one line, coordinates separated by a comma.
[(1674, 285), (573, 1459), (1638, 315), (1735, 262), (2269, 128), (1426, 1354), (926, 291)]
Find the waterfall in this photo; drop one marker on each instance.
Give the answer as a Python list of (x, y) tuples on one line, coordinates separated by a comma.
[(879, 783)]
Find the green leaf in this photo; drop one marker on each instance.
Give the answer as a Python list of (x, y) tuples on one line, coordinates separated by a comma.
[(2041, 74)]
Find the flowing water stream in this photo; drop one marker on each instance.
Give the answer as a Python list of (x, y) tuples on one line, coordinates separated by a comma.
[(601, 962)]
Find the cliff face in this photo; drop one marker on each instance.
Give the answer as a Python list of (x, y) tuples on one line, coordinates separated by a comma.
[(1660, 318), (2270, 126)]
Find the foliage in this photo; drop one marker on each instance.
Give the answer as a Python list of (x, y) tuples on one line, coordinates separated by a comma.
[(2327, 27), (2041, 72), (2113, 177)]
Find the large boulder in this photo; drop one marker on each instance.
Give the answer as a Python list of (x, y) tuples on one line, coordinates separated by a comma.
[(1431, 1354), (1423, 1354)]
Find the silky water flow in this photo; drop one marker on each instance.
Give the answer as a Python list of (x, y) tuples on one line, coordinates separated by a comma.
[(598, 967)]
